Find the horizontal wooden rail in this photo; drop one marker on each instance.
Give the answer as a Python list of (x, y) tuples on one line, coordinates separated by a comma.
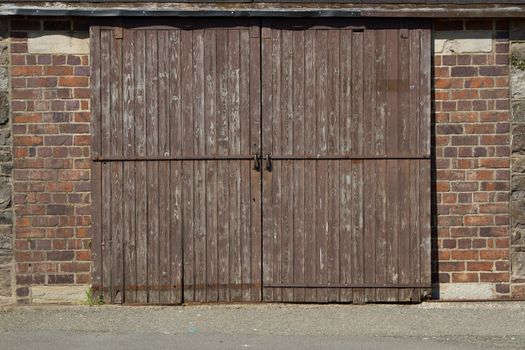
[(251, 157), (349, 285)]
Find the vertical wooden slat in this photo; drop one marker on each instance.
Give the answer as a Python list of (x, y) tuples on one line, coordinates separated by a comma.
[(175, 123), (164, 167), (310, 134), (424, 132), (369, 110), (128, 133), (357, 166), (267, 146), (141, 210), (414, 271), (322, 165), (286, 113), (255, 147), (245, 120), (222, 176), (188, 130), (105, 42), (345, 145), (234, 166), (96, 180), (152, 167), (277, 166), (298, 205), (380, 172), (199, 148), (333, 165), (393, 134), (210, 114), (404, 166)]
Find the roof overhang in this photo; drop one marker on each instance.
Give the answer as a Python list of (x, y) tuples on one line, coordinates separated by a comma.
[(260, 9)]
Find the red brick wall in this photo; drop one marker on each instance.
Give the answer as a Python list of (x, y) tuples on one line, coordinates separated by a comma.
[(472, 148), (50, 106), (51, 146)]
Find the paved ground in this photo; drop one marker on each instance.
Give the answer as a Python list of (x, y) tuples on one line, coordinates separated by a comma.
[(266, 326)]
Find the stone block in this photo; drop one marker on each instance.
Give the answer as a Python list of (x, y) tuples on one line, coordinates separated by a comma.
[(517, 50), (6, 249), (518, 264), (58, 42), (518, 163), (518, 111), (467, 41), (4, 107), (518, 137), (4, 53), (466, 291), (6, 218), (5, 281), (5, 137), (518, 183), (517, 83), (5, 192), (517, 212), (72, 294), (517, 236)]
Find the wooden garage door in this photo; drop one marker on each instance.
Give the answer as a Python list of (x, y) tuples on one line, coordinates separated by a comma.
[(175, 127), (346, 196), (248, 160)]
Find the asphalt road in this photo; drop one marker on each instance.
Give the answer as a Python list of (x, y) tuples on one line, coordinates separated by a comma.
[(266, 326)]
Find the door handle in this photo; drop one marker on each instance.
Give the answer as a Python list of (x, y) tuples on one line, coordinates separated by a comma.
[(256, 163), (269, 162)]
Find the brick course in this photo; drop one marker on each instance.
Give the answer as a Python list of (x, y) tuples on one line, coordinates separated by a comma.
[(50, 109), (472, 150)]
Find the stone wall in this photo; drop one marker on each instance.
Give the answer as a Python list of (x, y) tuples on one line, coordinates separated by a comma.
[(517, 75), (6, 230)]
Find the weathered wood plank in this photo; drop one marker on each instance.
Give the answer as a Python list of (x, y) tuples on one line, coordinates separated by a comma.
[(322, 166), (117, 239), (222, 176), (345, 178), (298, 205), (276, 178), (424, 132), (152, 168), (164, 167), (188, 134), (287, 203), (358, 142), (140, 170), (105, 43), (266, 147), (310, 133), (96, 171), (210, 121), (393, 134), (333, 140), (128, 133), (199, 148), (255, 147), (245, 120), (175, 116), (234, 166)]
